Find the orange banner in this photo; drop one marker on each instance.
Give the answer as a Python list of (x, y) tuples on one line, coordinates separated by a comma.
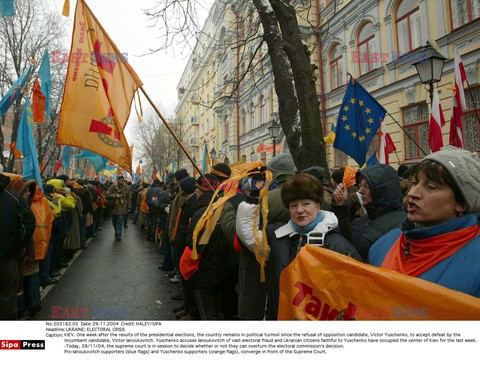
[(323, 285), (99, 90)]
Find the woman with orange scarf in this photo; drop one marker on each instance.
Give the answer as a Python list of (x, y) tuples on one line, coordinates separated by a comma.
[(439, 242)]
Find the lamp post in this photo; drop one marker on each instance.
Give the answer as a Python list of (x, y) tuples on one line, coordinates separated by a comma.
[(274, 131), (430, 67)]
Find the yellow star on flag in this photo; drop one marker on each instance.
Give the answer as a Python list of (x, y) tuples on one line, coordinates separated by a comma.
[(368, 130), (344, 118), (352, 100), (360, 102), (367, 110), (347, 127), (370, 120), (354, 134), (361, 138), (346, 108)]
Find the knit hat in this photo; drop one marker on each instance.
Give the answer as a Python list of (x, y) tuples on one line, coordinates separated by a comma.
[(281, 164), (188, 184), (317, 172), (302, 186), (464, 167), (221, 170), (180, 174), (48, 189)]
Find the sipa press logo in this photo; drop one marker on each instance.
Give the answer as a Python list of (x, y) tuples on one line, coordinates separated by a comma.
[(22, 344)]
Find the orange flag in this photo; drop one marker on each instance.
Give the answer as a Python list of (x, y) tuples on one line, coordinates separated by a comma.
[(38, 102), (321, 284), (99, 90)]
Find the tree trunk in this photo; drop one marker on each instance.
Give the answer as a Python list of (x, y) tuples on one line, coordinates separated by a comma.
[(294, 78)]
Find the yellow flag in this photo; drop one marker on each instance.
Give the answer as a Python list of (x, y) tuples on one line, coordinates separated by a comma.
[(99, 90), (321, 284), (66, 8)]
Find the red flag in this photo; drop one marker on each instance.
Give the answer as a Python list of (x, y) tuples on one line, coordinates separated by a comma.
[(386, 145), (437, 121), (459, 105), (58, 165), (38, 102)]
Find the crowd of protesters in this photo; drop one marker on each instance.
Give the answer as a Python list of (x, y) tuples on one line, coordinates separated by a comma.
[(420, 220)]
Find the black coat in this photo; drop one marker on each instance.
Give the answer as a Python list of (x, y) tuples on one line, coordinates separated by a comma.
[(17, 222), (212, 268), (383, 214)]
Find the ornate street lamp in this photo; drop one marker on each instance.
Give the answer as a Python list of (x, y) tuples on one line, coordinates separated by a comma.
[(430, 67), (274, 131)]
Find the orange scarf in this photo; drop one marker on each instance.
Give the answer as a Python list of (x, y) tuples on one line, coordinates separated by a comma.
[(425, 254)]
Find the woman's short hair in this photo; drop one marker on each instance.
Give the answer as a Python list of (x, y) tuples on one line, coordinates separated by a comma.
[(302, 186)]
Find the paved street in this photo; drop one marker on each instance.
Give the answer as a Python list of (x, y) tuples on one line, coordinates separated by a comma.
[(114, 274)]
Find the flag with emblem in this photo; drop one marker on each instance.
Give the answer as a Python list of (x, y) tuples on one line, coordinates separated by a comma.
[(358, 121), (99, 90)]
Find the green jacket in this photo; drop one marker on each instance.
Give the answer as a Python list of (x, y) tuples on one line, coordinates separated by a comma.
[(123, 202)]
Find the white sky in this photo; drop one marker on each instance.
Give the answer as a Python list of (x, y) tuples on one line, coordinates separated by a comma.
[(128, 27)]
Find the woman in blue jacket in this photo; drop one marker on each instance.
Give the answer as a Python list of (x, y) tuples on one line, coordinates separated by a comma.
[(439, 242)]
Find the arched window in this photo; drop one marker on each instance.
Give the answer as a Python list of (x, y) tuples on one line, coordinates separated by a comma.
[(270, 102), (261, 113), (464, 11), (243, 122), (336, 66), (366, 47), (407, 20), (252, 116)]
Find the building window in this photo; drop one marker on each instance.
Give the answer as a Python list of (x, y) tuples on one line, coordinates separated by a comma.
[(366, 47), (409, 32), (263, 157), (336, 67), (464, 11), (243, 123), (415, 122), (471, 135), (253, 124), (270, 101), (341, 159), (225, 129), (261, 103)]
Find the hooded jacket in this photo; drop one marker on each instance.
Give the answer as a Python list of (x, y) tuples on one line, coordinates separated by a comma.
[(384, 213), (17, 222)]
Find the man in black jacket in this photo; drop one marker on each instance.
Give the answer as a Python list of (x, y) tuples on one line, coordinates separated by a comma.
[(17, 225)]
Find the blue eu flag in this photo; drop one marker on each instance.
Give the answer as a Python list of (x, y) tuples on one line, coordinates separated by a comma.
[(358, 120)]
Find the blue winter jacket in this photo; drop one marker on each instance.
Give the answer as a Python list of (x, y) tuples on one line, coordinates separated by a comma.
[(460, 272)]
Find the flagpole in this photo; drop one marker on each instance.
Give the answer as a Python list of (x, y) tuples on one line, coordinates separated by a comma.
[(473, 100), (175, 137), (410, 137)]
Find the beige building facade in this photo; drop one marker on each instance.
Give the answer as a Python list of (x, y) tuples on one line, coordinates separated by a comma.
[(376, 41)]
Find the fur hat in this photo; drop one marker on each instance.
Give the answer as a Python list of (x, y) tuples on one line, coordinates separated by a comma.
[(221, 170), (317, 172), (464, 167), (188, 184), (302, 186), (281, 164), (180, 174)]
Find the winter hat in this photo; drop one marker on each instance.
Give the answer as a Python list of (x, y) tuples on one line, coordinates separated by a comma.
[(180, 174), (302, 186), (281, 164), (337, 176), (188, 184), (48, 189), (221, 170), (317, 172), (464, 167)]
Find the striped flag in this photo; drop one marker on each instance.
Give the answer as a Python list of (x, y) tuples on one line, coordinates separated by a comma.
[(386, 145), (437, 121), (459, 105)]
